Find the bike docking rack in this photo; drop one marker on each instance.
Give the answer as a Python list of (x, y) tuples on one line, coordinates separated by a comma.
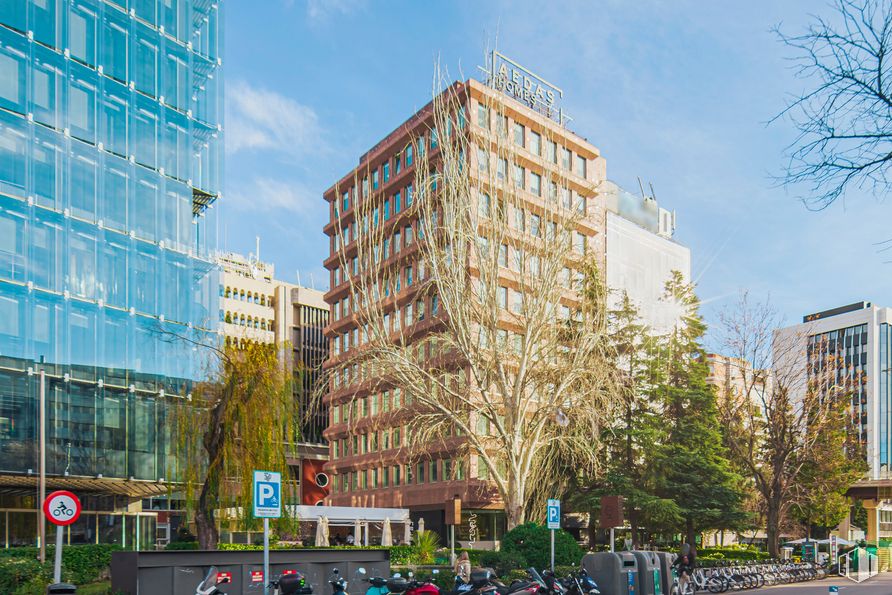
[(859, 565)]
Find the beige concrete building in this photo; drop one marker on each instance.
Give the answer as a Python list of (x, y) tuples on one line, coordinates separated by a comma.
[(255, 306)]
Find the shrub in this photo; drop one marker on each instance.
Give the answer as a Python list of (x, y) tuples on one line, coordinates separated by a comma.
[(400, 555), (503, 562), (532, 543), (16, 573), (181, 545)]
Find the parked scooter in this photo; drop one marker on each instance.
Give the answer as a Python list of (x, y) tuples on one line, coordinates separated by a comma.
[(485, 582), (209, 585), (580, 583), (422, 587), (337, 582), (290, 584)]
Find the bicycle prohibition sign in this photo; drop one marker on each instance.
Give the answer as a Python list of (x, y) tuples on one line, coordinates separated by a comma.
[(61, 508)]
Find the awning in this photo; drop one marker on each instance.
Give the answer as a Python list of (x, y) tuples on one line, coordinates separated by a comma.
[(347, 515), (136, 488)]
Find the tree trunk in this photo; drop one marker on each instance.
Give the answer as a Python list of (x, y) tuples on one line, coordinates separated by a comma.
[(772, 522), (514, 514), (205, 523), (633, 523), (691, 535)]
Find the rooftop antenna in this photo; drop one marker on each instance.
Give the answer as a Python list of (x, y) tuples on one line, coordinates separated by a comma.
[(653, 193), (257, 241), (312, 281), (298, 277), (641, 186)]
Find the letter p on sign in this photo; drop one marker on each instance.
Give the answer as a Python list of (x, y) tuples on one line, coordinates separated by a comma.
[(267, 494)]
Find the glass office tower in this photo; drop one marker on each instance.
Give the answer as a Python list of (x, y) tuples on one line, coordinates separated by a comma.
[(110, 153)]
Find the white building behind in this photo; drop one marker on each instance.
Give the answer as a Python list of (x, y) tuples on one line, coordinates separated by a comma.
[(641, 255)]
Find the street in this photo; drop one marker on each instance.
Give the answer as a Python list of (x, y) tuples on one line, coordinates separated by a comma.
[(878, 585)]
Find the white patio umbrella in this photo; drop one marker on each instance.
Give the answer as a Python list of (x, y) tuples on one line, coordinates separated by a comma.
[(407, 532), (386, 537), (320, 533), (357, 533), (325, 524), (421, 526)]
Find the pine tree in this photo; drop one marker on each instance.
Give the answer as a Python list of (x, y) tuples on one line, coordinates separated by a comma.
[(691, 465)]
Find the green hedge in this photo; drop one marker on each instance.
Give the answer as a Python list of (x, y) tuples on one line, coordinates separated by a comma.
[(21, 573), (731, 553)]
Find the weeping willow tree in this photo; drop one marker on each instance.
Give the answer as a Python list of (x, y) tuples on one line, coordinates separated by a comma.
[(239, 420), (481, 302)]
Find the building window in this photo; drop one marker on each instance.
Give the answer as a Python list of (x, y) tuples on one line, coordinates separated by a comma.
[(386, 168), (519, 175), (409, 151), (482, 159), (535, 224), (518, 134), (397, 163), (565, 158), (396, 203), (536, 184), (484, 207), (482, 116), (386, 210), (580, 166), (409, 195), (502, 169), (345, 201), (375, 179), (535, 143), (551, 151), (434, 138)]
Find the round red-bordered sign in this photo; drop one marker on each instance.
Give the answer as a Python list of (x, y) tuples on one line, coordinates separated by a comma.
[(61, 508)]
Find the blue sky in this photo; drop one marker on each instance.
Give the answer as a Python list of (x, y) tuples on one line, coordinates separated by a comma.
[(677, 93)]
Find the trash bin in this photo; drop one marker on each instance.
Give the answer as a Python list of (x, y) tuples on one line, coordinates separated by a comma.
[(666, 560), (649, 573), (786, 553), (615, 572), (61, 589)]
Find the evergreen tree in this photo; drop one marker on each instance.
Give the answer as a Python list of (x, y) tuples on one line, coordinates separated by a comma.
[(691, 468)]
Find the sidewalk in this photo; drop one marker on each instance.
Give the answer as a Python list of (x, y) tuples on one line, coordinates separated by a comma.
[(878, 585)]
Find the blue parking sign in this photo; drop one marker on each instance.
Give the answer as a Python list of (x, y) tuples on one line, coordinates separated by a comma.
[(267, 494), (554, 514)]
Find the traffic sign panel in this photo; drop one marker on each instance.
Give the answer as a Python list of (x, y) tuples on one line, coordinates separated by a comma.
[(554, 514), (267, 494), (62, 508)]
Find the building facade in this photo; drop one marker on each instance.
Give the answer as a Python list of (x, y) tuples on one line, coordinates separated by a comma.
[(642, 254), (110, 150), (852, 345), (370, 464), (255, 306)]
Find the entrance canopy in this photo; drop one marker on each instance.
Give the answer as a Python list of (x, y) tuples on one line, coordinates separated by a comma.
[(349, 515)]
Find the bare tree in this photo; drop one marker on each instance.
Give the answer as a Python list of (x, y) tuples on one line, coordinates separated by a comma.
[(492, 322), (776, 411), (845, 120)]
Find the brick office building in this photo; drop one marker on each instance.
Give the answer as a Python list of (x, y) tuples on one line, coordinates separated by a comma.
[(370, 466)]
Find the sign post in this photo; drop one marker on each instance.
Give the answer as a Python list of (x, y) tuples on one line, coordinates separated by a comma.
[(61, 508), (267, 505), (453, 518), (612, 516), (554, 523)]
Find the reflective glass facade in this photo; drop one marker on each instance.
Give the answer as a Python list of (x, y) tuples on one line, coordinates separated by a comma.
[(110, 153)]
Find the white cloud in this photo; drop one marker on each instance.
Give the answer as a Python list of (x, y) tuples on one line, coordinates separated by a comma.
[(322, 9), (264, 194), (258, 119)]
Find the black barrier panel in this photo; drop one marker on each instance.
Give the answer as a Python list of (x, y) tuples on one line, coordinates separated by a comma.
[(179, 572)]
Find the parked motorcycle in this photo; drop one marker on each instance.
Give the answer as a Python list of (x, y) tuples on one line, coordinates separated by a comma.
[(209, 585), (580, 583), (337, 582)]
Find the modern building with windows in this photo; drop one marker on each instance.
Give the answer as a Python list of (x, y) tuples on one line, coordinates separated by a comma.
[(370, 464), (110, 152), (853, 344), (642, 254), (255, 306)]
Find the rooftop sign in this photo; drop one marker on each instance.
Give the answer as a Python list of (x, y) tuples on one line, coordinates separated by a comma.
[(514, 80)]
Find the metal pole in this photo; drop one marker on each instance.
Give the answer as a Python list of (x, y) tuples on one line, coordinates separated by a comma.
[(452, 544), (41, 521), (552, 550), (612, 539), (265, 553), (57, 567)]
